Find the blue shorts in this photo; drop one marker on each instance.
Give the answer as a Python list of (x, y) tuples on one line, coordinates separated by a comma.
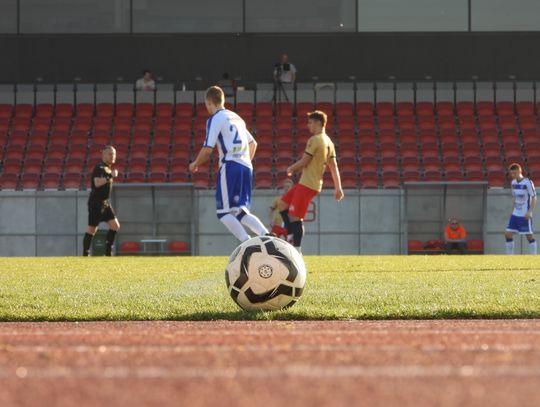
[(519, 224), (233, 188)]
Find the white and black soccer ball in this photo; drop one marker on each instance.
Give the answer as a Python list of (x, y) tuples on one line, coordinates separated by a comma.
[(265, 273)]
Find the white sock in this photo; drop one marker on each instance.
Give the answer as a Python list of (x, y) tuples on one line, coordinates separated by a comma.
[(235, 227), (254, 223), (510, 247), (532, 247)]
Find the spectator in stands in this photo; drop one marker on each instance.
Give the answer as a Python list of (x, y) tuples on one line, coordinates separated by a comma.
[(284, 71), (146, 82), (454, 237), (228, 85), (276, 221)]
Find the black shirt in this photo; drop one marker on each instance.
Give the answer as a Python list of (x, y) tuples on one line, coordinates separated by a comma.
[(103, 192)]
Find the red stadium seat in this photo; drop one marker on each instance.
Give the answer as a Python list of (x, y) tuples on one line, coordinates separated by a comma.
[(104, 110), (263, 109), (64, 110), (365, 110), (181, 176), (129, 247), (505, 108), (344, 109), (51, 180), (465, 109), (485, 108), (179, 246), (525, 108), (445, 109), (425, 109), (24, 111), (284, 110), (183, 110), (415, 247), (6, 111), (475, 246), (369, 181), (30, 181), (124, 110), (405, 109), (200, 180)]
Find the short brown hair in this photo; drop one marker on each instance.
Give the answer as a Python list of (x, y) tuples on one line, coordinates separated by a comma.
[(514, 166), (319, 116), (215, 95)]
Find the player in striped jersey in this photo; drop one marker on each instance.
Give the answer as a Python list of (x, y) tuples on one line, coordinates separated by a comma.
[(236, 146), (522, 211)]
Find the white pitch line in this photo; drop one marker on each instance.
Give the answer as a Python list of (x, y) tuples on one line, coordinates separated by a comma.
[(298, 371)]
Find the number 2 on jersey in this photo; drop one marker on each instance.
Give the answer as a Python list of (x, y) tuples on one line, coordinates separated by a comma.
[(236, 139)]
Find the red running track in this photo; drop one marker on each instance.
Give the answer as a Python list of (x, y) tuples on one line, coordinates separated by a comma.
[(335, 363)]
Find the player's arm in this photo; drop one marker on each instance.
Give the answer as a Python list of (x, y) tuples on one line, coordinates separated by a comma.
[(531, 209), (202, 157), (100, 177), (271, 215), (300, 164), (532, 193), (212, 132), (336, 177), (252, 144)]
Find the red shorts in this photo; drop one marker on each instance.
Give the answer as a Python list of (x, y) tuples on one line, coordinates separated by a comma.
[(298, 199)]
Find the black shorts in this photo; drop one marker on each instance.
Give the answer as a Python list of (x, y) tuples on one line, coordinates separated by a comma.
[(99, 212)]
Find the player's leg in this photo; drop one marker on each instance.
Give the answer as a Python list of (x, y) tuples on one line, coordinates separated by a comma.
[(512, 227), (533, 249), (114, 226), (94, 215), (252, 222), (448, 247), (87, 240), (293, 222), (223, 207), (509, 236), (109, 216), (242, 191), (234, 226), (283, 208), (297, 211)]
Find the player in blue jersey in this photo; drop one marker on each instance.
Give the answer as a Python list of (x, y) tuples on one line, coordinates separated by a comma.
[(522, 211), (236, 146)]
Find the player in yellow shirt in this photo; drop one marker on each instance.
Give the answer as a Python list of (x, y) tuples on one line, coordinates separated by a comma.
[(319, 154)]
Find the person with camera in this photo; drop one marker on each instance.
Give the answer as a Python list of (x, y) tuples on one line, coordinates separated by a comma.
[(284, 71)]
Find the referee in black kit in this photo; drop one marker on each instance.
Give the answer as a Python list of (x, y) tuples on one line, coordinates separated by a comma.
[(99, 208)]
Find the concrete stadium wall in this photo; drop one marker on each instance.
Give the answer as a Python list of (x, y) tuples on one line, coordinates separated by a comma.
[(365, 222), (52, 223)]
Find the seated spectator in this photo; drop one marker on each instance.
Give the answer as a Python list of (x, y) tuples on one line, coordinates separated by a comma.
[(454, 237), (146, 82), (276, 222)]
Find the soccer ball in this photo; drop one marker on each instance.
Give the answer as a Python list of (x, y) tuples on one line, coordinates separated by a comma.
[(265, 273)]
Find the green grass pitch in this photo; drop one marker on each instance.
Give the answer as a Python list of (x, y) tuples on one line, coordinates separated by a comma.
[(338, 287)]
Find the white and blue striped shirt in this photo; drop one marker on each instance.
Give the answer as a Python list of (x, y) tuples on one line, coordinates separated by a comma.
[(522, 191), (229, 132)]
